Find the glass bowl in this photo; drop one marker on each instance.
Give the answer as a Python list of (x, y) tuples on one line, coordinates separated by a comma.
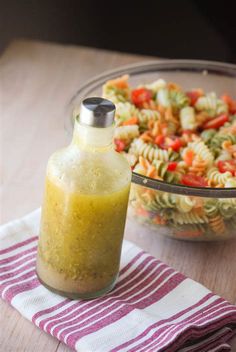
[(168, 208)]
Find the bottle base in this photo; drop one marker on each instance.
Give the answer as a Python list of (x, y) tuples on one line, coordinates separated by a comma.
[(77, 295)]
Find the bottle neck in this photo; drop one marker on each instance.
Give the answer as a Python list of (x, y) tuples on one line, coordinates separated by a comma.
[(93, 138)]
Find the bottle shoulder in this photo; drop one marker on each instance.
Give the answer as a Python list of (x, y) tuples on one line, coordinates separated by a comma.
[(90, 172)]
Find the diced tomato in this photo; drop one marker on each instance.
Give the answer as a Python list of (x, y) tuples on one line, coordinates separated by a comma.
[(172, 142), (140, 96), (216, 122), (227, 165), (193, 180), (132, 121), (230, 102), (188, 233), (188, 157), (142, 212), (187, 132), (159, 220), (172, 166), (194, 95), (120, 145), (175, 144), (159, 140)]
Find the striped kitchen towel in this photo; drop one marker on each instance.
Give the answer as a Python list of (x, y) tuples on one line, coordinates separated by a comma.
[(152, 307)]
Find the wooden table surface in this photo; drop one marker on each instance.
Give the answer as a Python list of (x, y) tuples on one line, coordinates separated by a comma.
[(37, 80)]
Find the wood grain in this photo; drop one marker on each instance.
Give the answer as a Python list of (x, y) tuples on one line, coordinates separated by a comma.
[(37, 81)]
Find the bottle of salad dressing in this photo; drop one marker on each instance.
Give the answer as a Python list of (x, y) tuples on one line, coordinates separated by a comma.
[(84, 209)]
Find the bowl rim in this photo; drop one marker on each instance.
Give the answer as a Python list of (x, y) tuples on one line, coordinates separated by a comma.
[(203, 66), (200, 65), (206, 192)]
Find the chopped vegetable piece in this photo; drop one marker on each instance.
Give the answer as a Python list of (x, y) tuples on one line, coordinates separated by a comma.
[(175, 143), (227, 165), (193, 95), (132, 121), (120, 145), (193, 180), (159, 140), (230, 102), (188, 157), (172, 166), (172, 142), (140, 96), (216, 122)]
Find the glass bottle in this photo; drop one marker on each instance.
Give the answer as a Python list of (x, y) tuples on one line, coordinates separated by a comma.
[(84, 208)]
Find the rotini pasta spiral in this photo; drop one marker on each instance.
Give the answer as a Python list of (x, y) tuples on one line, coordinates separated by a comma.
[(124, 110), (227, 207), (223, 155), (163, 97), (164, 201), (198, 166), (185, 204), (178, 99), (221, 137), (172, 121), (117, 90), (215, 144), (160, 167), (207, 136), (148, 151), (115, 95), (217, 178), (172, 98), (187, 118), (145, 116), (201, 149), (211, 207), (127, 133), (164, 174), (211, 105), (217, 224), (192, 217), (156, 85), (144, 167)]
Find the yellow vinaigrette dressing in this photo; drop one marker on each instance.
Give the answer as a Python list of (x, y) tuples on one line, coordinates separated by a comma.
[(84, 211)]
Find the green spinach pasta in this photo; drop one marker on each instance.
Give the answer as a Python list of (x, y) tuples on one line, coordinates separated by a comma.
[(180, 137)]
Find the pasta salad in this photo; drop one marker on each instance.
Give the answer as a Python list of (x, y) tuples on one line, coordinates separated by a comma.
[(180, 137)]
